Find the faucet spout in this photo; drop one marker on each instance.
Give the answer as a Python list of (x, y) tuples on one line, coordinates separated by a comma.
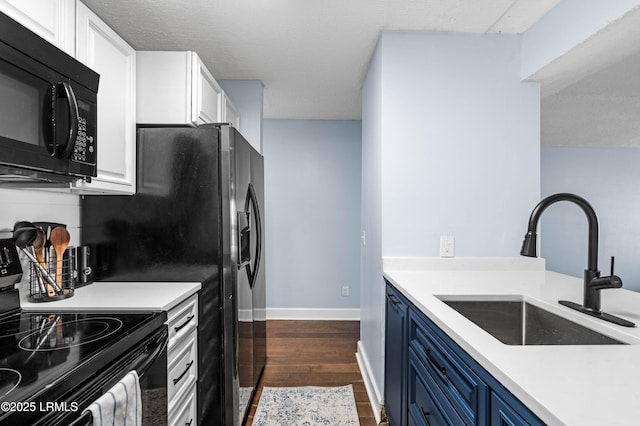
[(593, 282), (529, 247)]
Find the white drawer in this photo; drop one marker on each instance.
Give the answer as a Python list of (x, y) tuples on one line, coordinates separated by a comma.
[(184, 412), (183, 368), (182, 320)]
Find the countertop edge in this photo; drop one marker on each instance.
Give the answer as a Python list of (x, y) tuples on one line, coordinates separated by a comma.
[(107, 296)]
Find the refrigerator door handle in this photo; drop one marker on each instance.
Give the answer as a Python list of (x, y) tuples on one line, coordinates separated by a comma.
[(252, 201), (244, 238)]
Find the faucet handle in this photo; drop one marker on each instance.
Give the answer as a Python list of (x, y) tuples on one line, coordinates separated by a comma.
[(612, 281), (613, 259)]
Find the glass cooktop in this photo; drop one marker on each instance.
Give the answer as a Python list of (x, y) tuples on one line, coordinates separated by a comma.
[(44, 355)]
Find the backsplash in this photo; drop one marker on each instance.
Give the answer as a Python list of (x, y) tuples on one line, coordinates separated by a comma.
[(39, 205)]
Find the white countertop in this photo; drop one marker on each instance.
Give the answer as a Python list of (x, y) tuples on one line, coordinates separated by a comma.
[(118, 296), (572, 385)]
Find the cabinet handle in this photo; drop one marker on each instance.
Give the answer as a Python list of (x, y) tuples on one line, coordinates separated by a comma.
[(175, 381), (183, 325), (189, 422), (425, 416), (433, 361)]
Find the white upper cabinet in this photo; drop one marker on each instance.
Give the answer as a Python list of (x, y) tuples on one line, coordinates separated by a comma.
[(100, 48), (53, 20), (175, 88), (231, 114)]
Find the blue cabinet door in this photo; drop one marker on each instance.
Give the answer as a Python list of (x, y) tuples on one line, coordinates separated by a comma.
[(395, 359), (503, 415)]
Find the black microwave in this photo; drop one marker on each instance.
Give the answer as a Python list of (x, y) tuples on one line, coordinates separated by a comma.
[(48, 111)]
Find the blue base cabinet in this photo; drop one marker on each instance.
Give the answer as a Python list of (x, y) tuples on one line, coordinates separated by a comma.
[(431, 381), (395, 364)]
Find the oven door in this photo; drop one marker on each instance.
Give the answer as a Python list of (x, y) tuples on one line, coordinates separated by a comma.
[(47, 122), (149, 359)]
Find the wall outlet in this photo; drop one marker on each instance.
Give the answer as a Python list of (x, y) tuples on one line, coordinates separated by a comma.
[(345, 291), (363, 238), (447, 245)]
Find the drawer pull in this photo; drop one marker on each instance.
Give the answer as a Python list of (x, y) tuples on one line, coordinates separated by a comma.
[(189, 422), (425, 416), (433, 361), (183, 325), (393, 299), (175, 381)]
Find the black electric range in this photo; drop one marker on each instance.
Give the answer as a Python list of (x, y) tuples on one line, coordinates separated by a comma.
[(44, 357)]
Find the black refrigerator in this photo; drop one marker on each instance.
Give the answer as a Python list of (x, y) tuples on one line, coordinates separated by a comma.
[(197, 215)]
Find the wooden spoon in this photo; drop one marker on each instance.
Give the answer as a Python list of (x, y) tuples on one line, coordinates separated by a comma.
[(38, 245), (59, 238)]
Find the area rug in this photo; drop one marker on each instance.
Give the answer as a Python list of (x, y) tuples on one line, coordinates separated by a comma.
[(307, 406)]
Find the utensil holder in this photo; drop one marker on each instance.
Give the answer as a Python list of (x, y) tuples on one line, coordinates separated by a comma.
[(41, 289)]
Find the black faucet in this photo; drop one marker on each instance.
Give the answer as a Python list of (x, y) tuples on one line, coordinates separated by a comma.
[(593, 282)]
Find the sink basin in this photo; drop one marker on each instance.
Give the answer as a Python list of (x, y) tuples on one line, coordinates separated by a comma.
[(517, 322)]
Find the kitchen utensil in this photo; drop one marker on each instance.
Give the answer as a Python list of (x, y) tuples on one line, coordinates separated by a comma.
[(59, 238), (38, 245), (25, 238), (47, 227), (43, 289), (21, 227), (41, 338), (59, 332), (22, 224)]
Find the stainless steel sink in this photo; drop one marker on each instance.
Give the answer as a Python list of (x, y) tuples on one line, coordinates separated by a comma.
[(522, 323)]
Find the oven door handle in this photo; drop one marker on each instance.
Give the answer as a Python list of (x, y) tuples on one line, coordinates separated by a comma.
[(151, 351)]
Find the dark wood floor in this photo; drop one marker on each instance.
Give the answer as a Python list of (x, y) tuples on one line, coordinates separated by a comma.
[(314, 353)]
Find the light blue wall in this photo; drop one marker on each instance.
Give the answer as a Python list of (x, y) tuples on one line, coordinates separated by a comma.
[(461, 144), (372, 299), (609, 178), (451, 146), (312, 197), (247, 97)]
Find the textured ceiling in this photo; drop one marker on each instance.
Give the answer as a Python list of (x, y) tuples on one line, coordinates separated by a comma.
[(311, 55), (591, 97)]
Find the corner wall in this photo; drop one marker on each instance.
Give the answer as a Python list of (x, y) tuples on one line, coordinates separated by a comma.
[(372, 299), (451, 146)]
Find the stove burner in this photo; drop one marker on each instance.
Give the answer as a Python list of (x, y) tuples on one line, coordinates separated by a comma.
[(9, 379), (58, 335)]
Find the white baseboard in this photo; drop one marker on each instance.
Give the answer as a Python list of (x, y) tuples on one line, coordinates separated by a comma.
[(375, 398), (313, 314)]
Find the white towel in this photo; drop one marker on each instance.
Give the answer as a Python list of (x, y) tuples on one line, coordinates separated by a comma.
[(121, 405)]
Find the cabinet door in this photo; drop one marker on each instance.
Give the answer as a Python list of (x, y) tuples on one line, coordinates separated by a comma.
[(426, 404), (53, 20), (100, 48), (186, 409), (170, 72), (395, 359), (503, 415), (231, 113), (206, 95), (460, 385)]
